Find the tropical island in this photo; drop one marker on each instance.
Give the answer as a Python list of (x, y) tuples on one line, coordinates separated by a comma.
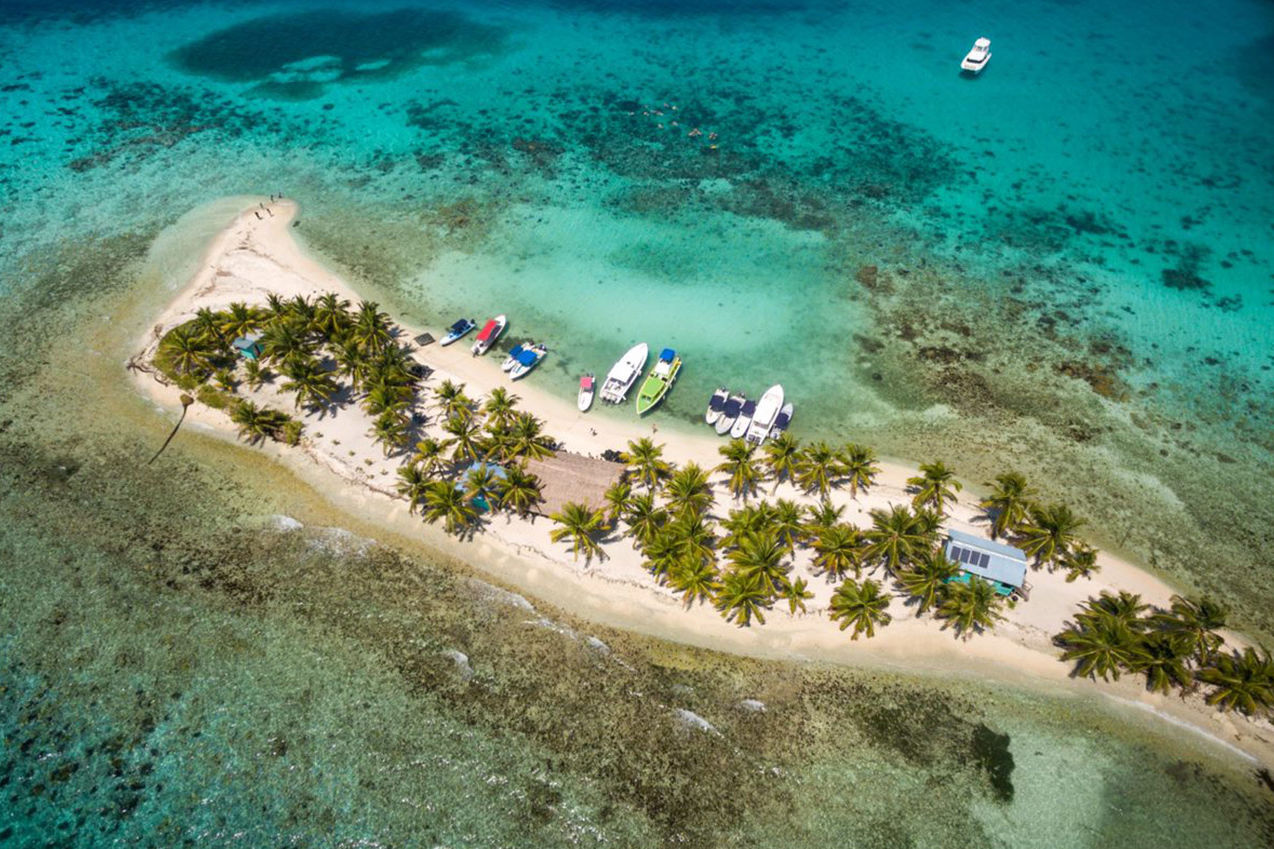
[(809, 540)]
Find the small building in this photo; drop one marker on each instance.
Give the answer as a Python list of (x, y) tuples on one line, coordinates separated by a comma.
[(566, 477), (249, 346), (1000, 565)]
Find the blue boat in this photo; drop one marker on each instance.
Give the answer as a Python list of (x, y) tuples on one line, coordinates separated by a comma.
[(527, 359), (458, 330)]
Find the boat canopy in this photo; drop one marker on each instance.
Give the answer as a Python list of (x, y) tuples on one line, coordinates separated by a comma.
[(586, 382), (516, 351), (732, 407), (782, 420), (487, 330), (667, 354), (528, 357), (462, 324), (749, 407), (716, 402)]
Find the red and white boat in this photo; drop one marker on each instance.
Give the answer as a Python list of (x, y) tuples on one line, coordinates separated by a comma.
[(586, 386), (490, 332)]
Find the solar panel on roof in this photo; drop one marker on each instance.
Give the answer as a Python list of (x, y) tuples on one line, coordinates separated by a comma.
[(966, 556), (983, 560)]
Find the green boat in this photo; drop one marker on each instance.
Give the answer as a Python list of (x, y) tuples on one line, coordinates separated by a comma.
[(659, 381)]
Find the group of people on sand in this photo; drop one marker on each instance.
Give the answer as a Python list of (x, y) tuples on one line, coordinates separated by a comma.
[(266, 209)]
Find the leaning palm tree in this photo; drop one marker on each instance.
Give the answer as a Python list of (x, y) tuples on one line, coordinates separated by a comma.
[(1197, 622), (837, 550), (742, 468), (644, 461), (1008, 504), (935, 486), (644, 518), (413, 484), (817, 468), (971, 607), (583, 526), (744, 597), (927, 579), (619, 496), (464, 439), (696, 580), (1163, 658), (186, 401), (519, 491), (1103, 646), (760, 554), (313, 385), (1050, 532), (688, 490), (186, 350), (446, 501), (1242, 681), (859, 464), (500, 407), (861, 605), (894, 537), (781, 455)]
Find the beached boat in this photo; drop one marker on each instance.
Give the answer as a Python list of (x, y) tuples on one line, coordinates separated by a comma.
[(730, 413), (716, 404), (528, 359), (624, 373), (458, 330), (512, 359), (767, 410), (659, 381), (585, 400), (977, 57), (490, 332), (782, 420), (740, 426)]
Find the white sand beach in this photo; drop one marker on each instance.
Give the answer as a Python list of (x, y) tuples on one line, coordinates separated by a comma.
[(256, 256)]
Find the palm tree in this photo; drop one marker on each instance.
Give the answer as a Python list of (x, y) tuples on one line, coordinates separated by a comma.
[(452, 401), (519, 491), (444, 500), (255, 374), (1125, 606), (644, 461), (582, 525), (1008, 504), (350, 363), (695, 537), (662, 553), (255, 423), (371, 330), (391, 429), (1103, 645), (300, 310), (861, 605), (696, 580), (822, 517), (413, 484), (760, 554), (859, 463), (971, 607), (208, 325), (313, 385), (1197, 622), (817, 467), (1050, 532), (837, 550), (239, 320), (644, 518), (619, 496), (689, 490), (382, 398), (927, 579), (894, 537), (787, 519), (331, 316), (1162, 657), (781, 454), (1243, 681), (795, 593), (500, 407), (741, 466), (464, 439), (747, 519), (428, 455), (482, 482), (935, 486), (186, 350), (525, 438), (286, 342), (744, 596)]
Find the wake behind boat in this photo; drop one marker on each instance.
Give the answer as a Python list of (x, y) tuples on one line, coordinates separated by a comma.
[(624, 373), (767, 410), (716, 404), (659, 381), (490, 332), (457, 331)]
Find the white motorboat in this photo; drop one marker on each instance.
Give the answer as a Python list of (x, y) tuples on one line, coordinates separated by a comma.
[(782, 420), (767, 410), (585, 399), (490, 332), (977, 57), (740, 426), (624, 373), (730, 413), (716, 404), (512, 359), (457, 330), (528, 359)]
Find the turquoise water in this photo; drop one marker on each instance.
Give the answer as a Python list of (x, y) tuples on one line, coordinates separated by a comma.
[(1062, 265)]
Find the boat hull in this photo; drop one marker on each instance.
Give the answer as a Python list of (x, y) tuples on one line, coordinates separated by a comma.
[(623, 375), (483, 344), (654, 390), (584, 401)]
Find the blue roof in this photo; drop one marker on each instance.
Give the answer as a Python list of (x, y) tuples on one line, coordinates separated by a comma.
[(528, 357), (667, 354), (993, 561)]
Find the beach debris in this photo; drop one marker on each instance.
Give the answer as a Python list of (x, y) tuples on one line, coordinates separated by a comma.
[(461, 660), (693, 720)]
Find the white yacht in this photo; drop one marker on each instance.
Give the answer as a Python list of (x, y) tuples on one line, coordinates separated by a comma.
[(767, 409), (975, 60), (624, 373), (716, 405), (740, 426)]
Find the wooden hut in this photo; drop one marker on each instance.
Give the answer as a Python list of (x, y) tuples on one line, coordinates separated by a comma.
[(573, 477)]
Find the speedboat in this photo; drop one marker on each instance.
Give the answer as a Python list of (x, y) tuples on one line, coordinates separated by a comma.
[(716, 404), (528, 359), (730, 413), (767, 410), (782, 420), (659, 381), (740, 426), (490, 332), (512, 359), (624, 373), (458, 330), (586, 384), (977, 57)]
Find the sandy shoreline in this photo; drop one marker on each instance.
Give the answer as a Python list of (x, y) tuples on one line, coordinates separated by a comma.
[(255, 256)]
